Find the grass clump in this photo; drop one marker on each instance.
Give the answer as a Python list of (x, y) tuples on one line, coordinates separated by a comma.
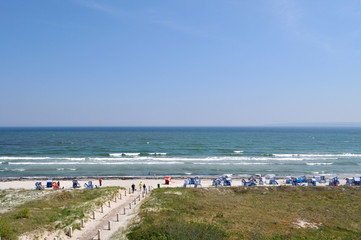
[(24, 213), (251, 213)]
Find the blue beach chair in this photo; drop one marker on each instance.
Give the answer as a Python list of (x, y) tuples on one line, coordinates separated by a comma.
[(197, 182), (322, 179), (38, 186), (311, 182), (349, 181), (191, 181), (49, 183), (289, 180), (76, 183), (273, 181), (304, 179), (186, 183), (295, 182), (227, 181), (249, 183), (357, 181), (89, 185), (334, 181), (262, 181)]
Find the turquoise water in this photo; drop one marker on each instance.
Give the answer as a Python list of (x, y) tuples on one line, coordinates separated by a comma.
[(178, 151)]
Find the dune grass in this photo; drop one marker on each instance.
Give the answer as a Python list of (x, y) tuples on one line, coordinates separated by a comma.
[(251, 213), (54, 211)]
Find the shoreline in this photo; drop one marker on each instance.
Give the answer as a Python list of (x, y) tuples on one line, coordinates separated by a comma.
[(238, 176)]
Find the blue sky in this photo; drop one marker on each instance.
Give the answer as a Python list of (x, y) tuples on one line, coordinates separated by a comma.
[(179, 63)]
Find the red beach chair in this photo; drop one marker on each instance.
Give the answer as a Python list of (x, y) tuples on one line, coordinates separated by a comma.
[(167, 180)]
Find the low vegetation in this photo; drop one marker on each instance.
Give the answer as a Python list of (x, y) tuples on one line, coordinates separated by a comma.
[(55, 210), (251, 213)]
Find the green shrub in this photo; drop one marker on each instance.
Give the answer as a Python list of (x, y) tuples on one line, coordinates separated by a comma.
[(177, 229), (6, 232), (24, 213)]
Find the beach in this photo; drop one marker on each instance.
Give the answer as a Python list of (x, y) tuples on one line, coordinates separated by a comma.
[(126, 182)]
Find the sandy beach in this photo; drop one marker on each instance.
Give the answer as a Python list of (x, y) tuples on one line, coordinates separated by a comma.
[(126, 182)]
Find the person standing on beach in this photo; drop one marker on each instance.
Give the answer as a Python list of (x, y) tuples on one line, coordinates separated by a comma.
[(144, 188), (140, 186), (133, 187), (100, 182)]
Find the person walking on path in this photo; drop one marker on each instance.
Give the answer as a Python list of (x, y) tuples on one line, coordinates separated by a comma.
[(144, 188), (140, 186), (133, 187), (100, 182)]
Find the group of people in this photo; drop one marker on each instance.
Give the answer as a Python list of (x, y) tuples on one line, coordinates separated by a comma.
[(142, 186)]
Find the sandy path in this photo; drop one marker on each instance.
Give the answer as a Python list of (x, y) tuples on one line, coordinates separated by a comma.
[(110, 215)]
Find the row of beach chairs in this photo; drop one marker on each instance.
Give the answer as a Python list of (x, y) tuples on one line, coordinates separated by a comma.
[(192, 181), (353, 181), (55, 185), (225, 180)]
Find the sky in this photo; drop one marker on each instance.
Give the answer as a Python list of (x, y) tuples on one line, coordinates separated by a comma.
[(179, 63)]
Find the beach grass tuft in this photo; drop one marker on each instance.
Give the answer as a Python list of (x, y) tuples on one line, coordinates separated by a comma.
[(283, 212)]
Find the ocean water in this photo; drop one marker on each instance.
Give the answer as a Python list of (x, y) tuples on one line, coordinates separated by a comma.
[(139, 151)]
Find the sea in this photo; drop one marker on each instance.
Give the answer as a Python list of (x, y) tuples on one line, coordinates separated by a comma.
[(160, 151)]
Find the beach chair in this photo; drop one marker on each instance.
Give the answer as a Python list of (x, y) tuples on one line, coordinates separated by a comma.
[(217, 182), (357, 181), (317, 178), (89, 185), (197, 183), (322, 179), (311, 182), (295, 182), (304, 179), (349, 181), (76, 183), (289, 180), (55, 185), (191, 181), (334, 181), (249, 183), (186, 183), (262, 181), (49, 183), (38, 186), (273, 181), (227, 180), (167, 180)]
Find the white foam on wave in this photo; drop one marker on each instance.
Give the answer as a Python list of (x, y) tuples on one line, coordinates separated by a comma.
[(243, 163), (17, 170), (24, 158), (94, 163), (164, 159), (60, 169), (115, 154), (318, 155), (238, 151), (156, 153), (316, 163), (45, 163)]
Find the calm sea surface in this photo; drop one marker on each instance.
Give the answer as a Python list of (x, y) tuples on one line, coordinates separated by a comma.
[(178, 151)]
